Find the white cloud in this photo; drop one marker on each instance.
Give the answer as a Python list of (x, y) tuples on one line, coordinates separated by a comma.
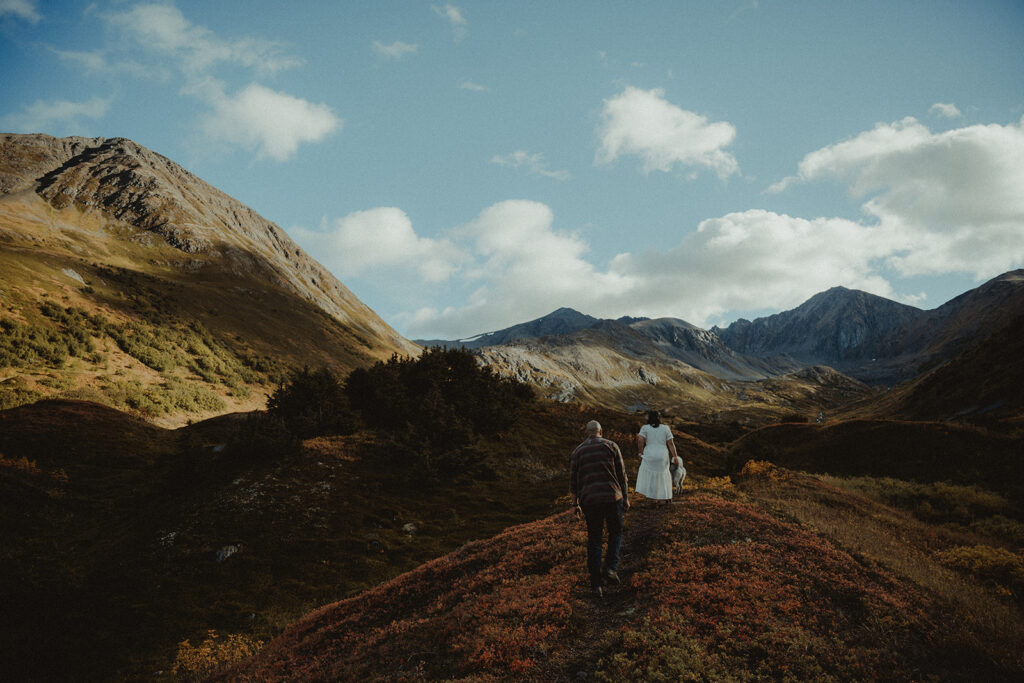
[(165, 30), (470, 85), (533, 163), (380, 238), (952, 201), (642, 123), (272, 123), (395, 50), (741, 261), (948, 111), (23, 9), (97, 61), (455, 19), (44, 116)]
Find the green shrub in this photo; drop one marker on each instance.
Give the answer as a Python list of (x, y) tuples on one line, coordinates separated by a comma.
[(996, 566)]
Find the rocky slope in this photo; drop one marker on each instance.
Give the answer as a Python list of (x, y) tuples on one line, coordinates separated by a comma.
[(107, 227)]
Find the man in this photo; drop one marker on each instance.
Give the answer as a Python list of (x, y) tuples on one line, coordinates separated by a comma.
[(599, 492)]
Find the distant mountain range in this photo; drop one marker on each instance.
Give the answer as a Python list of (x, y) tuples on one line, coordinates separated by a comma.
[(868, 338)]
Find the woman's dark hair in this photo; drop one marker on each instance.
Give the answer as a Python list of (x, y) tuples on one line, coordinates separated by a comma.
[(654, 418)]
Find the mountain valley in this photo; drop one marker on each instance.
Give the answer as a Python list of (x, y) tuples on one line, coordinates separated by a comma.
[(179, 501)]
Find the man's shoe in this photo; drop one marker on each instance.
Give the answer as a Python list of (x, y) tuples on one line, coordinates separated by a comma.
[(611, 576), (596, 592)]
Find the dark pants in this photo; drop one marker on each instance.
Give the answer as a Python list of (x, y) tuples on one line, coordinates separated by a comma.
[(597, 516)]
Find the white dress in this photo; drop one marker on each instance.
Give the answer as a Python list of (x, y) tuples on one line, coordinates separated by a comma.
[(654, 480)]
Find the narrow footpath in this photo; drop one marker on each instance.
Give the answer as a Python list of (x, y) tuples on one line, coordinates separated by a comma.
[(594, 618)]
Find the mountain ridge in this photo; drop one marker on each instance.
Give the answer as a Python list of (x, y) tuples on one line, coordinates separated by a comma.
[(868, 337)]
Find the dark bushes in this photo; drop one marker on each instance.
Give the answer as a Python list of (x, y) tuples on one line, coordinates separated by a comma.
[(313, 403), (443, 398), (430, 410)]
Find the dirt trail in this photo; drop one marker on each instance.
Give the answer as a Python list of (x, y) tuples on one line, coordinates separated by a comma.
[(593, 619)]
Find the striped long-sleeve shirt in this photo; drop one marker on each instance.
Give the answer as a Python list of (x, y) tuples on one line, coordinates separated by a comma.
[(597, 473)]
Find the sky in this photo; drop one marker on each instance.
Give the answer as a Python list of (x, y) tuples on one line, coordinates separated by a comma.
[(464, 167)]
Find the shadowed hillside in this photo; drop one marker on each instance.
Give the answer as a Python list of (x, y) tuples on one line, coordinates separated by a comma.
[(918, 451), (122, 539)]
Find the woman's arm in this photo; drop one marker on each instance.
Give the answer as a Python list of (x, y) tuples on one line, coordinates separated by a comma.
[(671, 443), (641, 441)]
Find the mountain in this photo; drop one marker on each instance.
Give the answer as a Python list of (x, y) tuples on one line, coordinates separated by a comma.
[(661, 339), (150, 268), (877, 340), (966, 319), (843, 328), (985, 382), (560, 322), (637, 363)]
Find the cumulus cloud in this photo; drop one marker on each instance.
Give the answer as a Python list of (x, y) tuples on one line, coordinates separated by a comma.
[(395, 50), (644, 124), (165, 30), (44, 116), (525, 268), (23, 9), (948, 111), (951, 200), (933, 203), (455, 19), (272, 123), (380, 238), (532, 163)]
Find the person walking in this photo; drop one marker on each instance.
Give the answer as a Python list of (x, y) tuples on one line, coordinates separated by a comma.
[(657, 452), (599, 490)]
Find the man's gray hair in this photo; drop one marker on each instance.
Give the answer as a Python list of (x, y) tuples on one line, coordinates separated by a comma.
[(593, 427)]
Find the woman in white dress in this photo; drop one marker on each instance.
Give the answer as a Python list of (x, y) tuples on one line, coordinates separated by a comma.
[(657, 451)]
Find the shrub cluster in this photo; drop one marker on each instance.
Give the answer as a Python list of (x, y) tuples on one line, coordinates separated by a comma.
[(23, 345), (214, 654), (995, 566), (161, 399), (443, 399), (432, 408)]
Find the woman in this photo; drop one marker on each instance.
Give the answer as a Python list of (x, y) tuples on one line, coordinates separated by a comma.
[(655, 442)]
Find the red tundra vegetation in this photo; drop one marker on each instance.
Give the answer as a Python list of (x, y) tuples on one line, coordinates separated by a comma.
[(719, 589)]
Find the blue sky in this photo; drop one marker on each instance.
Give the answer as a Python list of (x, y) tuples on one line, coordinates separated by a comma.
[(463, 167)]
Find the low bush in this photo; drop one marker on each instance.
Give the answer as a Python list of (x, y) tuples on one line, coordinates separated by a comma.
[(214, 654), (998, 567)]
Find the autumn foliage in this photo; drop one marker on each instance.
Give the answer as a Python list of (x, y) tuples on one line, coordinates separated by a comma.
[(723, 591)]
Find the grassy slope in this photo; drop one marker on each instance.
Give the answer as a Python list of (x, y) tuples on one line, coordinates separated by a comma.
[(715, 588), (131, 277)]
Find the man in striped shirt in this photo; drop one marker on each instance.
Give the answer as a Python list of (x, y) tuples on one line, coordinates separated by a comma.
[(600, 494)]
